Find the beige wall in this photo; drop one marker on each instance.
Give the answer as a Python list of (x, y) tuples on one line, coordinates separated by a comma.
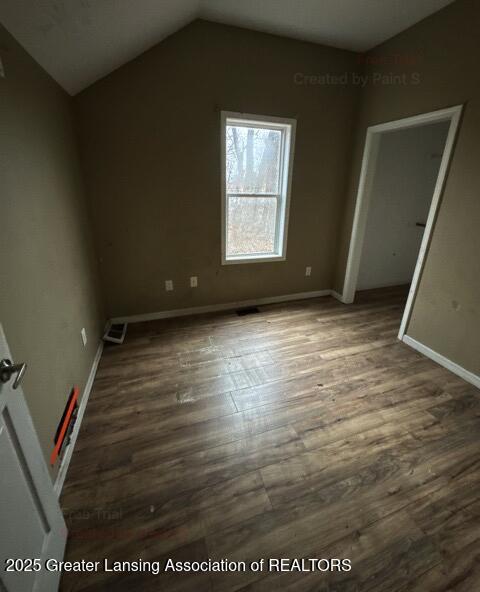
[(150, 137), (445, 52), (47, 273)]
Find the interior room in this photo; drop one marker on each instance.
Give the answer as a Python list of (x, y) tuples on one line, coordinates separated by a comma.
[(239, 295), (403, 184)]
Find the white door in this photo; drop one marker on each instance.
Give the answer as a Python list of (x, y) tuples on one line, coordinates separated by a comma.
[(31, 522)]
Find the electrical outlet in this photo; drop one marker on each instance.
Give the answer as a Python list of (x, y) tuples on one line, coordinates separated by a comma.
[(308, 271), (2, 69), (83, 333), (193, 281), (169, 285)]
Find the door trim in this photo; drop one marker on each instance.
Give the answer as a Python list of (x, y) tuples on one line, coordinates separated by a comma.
[(369, 162)]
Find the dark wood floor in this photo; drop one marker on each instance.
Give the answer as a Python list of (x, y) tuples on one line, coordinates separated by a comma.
[(306, 430)]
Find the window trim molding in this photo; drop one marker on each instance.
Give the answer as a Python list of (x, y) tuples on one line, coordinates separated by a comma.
[(289, 152)]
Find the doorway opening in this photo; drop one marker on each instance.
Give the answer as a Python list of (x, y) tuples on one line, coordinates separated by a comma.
[(404, 167)]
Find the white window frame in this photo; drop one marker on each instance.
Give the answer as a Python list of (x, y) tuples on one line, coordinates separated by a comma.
[(288, 128)]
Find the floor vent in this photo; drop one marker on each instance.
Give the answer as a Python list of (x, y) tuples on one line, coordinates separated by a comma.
[(241, 312), (115, 333)]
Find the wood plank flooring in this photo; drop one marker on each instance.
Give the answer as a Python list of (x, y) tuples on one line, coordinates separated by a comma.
[(304, 431)]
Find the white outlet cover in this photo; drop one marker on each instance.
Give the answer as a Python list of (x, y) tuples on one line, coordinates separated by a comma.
[(2, 69), (193, 281), (308, 271), (168, 285), (83, 333)]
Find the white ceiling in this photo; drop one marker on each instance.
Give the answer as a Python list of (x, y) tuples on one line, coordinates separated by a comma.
[(79, 41)]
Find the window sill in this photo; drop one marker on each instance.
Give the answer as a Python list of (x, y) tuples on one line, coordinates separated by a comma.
[(252, 259)]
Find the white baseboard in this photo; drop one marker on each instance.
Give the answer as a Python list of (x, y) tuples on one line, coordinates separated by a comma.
[(443, 361), (62, 473), (182, 312)]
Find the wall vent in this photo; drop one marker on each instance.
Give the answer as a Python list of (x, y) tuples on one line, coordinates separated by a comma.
[(65, 426)]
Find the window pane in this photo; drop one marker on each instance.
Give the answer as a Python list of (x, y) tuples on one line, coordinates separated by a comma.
[(253, 157), (251, 225)]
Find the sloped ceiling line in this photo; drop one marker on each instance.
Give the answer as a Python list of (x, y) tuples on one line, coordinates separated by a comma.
[(80, 41)]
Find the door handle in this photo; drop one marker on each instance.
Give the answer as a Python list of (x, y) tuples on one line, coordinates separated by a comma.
[(7, 370)]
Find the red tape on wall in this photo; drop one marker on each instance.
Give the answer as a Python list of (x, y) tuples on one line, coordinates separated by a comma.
[(65, 423)]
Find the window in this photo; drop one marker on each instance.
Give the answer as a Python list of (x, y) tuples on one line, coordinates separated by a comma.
[(257, 155)]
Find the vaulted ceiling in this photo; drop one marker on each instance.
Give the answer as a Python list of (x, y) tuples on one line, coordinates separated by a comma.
[(80, 41)]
